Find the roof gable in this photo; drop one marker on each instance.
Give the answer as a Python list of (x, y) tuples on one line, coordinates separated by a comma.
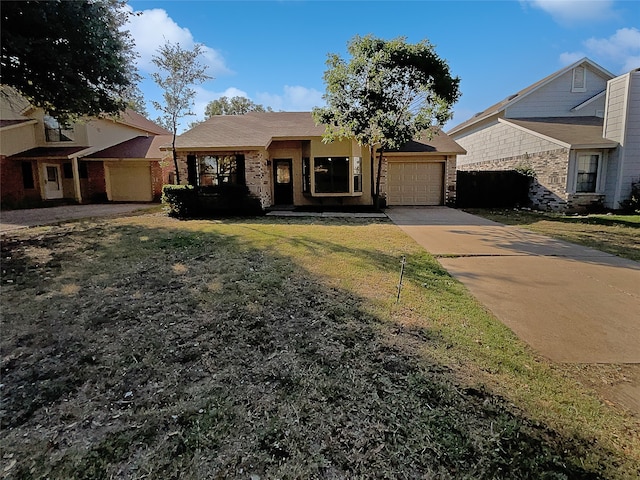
[(512, 100), (133, 119), (255, 129), (259, 129)]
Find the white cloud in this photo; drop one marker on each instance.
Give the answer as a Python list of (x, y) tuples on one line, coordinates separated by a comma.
[(150, 29), (204, 96), (621, 49), (293, 99), (567, 58), (569, 12)]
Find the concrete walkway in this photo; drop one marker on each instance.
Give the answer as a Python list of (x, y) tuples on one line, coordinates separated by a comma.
[(16, 219), (570, 303)]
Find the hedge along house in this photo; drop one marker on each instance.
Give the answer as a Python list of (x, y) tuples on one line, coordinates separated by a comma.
[(577, 131), (93, 159), (282, 159)]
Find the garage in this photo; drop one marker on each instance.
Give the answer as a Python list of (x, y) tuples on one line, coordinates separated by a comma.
[(129, 182), (415, 183)]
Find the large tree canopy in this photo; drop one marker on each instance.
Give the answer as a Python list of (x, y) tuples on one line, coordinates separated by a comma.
[(233, 106), (68, 57), (386, 94)]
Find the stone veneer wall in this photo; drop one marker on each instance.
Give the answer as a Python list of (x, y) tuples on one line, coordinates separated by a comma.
[(451, 179), (548, 190), (258, 177)]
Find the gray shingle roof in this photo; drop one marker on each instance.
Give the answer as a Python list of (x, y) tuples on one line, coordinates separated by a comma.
[(577, 132), (138, 147), (258, 130)]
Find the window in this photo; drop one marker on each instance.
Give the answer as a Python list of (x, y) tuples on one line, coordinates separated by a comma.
[(579, 83), (55, 131), (331, 174), (83, 171), (27, 175), (587, 172), (68, 170), (220, 169)]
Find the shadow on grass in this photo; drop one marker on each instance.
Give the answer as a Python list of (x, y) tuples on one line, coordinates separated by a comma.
[(192, 354), (522, 217)]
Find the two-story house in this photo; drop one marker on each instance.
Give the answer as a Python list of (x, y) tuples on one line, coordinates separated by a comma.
[(114, 158), (577, 130)]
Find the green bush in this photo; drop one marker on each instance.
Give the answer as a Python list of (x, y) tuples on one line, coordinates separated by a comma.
[(180, 200), (210, 201), (632, 204)]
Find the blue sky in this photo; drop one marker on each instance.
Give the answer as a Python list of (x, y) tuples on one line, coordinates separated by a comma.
[(274, 52)]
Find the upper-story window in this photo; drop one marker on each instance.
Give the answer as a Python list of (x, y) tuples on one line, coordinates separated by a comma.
[(54, 131), (579, 83)]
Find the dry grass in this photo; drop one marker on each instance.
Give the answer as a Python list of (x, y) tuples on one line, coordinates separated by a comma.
[(152, 348)]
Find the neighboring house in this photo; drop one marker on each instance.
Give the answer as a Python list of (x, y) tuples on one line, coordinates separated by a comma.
[(282, 159), (96, 159), (578, 130)]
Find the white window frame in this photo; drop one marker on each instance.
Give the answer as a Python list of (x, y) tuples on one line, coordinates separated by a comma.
[(582, 85), (600, 173), (353, 172)]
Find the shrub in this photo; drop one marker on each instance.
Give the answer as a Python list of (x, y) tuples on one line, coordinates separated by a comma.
[(180, 200), (210, 201), (632, 204)]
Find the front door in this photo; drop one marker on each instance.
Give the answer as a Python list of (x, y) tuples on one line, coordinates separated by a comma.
[(283, 182), (52, 182)]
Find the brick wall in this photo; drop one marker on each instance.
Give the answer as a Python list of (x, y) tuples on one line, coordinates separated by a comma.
[(11, 182), (96, 185), (548, 190), (258, 176), (160, 176)]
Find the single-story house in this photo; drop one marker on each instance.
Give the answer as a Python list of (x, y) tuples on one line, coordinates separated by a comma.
[(115, 158), (282, 159), (577, 131)]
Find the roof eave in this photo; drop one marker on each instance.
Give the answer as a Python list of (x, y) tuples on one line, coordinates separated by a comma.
[(534, 133)]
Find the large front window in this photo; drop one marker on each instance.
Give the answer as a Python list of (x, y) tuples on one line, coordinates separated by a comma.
[(331, 174), (586, 181), (220, 169)]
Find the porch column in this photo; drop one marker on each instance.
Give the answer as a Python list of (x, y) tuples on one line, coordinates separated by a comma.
[(76, 179)]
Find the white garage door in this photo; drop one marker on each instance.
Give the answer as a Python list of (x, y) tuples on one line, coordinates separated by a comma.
[(130, 183), (413, 183)]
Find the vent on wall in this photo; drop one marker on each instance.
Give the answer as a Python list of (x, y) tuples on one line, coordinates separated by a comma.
[(579, 83)]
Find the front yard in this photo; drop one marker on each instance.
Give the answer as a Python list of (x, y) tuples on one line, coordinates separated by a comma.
[(147, 347), (616, 234)]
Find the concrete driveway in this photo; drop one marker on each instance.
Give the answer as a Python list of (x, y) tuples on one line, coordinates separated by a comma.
[(16, 219), (570, 303)]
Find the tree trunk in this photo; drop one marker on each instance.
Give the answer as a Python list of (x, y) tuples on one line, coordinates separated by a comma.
[(175, 158), (372, 182), (378, 175)]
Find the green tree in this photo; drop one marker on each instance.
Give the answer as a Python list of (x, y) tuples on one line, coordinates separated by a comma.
[(388, 93), (179, 70), (233, 106), (70, 58)]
